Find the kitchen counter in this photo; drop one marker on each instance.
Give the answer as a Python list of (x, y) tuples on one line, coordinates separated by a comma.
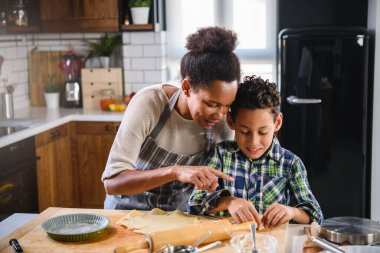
[(40, 119), (33, 239)]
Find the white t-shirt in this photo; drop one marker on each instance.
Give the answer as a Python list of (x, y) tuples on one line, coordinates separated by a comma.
[(179, 135)]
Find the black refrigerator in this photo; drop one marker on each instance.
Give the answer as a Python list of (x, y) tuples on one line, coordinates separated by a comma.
[(322, 74)]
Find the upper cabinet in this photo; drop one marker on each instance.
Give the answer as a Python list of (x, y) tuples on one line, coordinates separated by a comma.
[(155, 20), (60, 16), (70, 16), (19, 16)]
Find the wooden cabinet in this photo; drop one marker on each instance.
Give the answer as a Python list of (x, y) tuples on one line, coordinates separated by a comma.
[(93, 143), (79, 15), (56, 185)]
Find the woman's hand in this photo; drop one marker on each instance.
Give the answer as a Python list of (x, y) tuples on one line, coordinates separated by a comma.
[(277, 214), (203, 177)]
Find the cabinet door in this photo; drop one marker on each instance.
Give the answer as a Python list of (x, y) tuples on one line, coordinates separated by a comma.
[(99, 16), (59, 16), (55, 9), (94, 141), (79, 16), (54, 168)]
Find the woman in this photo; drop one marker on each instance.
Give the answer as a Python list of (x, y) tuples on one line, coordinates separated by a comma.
[(165, 132)]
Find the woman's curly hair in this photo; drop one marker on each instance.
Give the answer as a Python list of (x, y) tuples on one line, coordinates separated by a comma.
[(255, 93), (210, 57)]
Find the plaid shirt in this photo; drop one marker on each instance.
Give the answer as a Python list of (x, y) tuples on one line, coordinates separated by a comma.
[(279, 176)]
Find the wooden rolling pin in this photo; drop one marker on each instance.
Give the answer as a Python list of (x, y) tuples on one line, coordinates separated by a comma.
[(186, 235)]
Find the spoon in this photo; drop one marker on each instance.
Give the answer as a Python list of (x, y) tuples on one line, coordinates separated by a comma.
[(322, 243), (210, 246), (197, 243), (253, 232), (203, 237), (1, 62)]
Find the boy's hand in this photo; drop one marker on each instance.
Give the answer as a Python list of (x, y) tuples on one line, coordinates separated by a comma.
[(243, 211), (277, 214), (203, 177)]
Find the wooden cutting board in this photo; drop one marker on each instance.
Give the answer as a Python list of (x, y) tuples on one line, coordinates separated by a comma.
[(42, 63), (34, 240)]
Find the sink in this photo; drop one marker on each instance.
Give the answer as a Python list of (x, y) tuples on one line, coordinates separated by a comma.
[(16, 122), (5, 130)]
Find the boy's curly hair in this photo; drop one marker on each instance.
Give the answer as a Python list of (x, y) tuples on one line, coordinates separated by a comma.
[(255, 93)]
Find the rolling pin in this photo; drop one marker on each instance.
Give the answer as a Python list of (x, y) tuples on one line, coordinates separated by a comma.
[(186, 235)]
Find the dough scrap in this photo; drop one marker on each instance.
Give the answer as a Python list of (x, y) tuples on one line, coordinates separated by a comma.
[(156, 220)]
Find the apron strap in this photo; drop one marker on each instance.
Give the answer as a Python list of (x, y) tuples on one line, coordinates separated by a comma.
[(165, 114)]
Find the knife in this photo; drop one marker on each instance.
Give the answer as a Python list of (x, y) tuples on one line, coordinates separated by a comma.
[(16, 246)]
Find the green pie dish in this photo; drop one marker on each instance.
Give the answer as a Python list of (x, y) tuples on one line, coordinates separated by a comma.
[(75, 227)]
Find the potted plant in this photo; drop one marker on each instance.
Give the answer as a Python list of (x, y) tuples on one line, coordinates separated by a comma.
[(104, 48), (52, 90), (140, 11)]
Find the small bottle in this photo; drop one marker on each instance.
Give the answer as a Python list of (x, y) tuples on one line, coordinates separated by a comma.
[(126, 19), (107, 98), (19, 15), (3, 20)]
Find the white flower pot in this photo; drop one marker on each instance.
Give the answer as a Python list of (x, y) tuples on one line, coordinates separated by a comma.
[(104, 61), (52, 100), (140, 15)]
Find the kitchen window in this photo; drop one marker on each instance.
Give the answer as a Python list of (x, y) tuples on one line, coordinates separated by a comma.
[(253, 20)]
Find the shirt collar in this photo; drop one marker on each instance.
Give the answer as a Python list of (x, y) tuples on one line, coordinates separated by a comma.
[(275, 151)]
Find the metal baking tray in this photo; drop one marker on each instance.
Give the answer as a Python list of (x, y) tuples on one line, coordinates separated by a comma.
[(351, 230)]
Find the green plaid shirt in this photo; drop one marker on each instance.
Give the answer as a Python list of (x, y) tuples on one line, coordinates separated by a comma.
[(279, 176)]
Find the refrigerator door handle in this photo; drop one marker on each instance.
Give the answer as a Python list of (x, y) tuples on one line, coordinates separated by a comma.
[(293, 100)]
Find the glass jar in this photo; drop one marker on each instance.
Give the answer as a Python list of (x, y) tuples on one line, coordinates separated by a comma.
[(107, 98), (3, 20), (19, 15)]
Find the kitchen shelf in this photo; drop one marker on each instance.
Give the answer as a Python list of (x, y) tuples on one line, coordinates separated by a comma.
[(23, 29), (137, 27), (156, 20)]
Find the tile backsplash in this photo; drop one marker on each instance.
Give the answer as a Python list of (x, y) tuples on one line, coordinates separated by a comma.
[(143, 58)]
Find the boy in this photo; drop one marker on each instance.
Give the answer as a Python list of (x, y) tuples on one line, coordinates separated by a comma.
[(267, 176)]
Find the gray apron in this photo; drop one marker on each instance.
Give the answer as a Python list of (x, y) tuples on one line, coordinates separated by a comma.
[(170, 196)]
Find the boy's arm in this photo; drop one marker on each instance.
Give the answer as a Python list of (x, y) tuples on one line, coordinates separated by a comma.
[(302, 193), (277, 214), (200, 201)]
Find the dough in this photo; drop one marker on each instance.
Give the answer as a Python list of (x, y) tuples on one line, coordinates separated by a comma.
[(156, 220)]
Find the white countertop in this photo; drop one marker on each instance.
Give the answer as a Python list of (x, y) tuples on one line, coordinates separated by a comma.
[(14, 221), (40, 119)]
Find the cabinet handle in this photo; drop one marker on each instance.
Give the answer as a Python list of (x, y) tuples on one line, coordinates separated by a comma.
[(70, 7), (108, 128), (81, 8), (293, 100), (55, 134)]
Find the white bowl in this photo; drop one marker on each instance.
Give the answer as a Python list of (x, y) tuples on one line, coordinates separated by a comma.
[(264, 243)]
